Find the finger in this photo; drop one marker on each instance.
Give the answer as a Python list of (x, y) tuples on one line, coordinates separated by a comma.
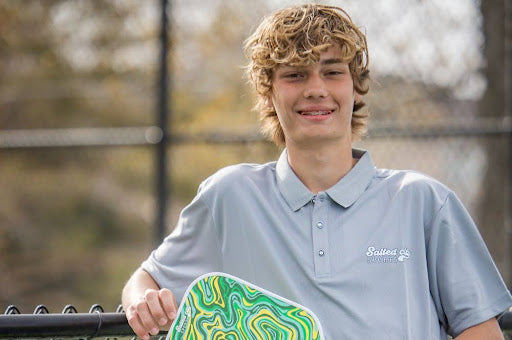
[(135, 323), (169, 303), (146, 318), (155, 307)]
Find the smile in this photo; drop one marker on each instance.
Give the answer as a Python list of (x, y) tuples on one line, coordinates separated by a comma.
[(314, 113)]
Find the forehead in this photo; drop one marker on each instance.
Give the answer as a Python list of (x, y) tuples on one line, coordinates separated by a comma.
[(331, 55)]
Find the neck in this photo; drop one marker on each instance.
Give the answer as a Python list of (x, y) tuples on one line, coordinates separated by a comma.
[(320, 167)]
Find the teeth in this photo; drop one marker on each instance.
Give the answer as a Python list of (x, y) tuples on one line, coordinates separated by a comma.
[(315, 113)]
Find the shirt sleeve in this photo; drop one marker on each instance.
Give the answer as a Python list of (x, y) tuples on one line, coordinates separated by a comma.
[(466, 286), (191, 250)]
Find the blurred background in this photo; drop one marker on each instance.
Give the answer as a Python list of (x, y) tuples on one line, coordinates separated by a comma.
[(80, 98)]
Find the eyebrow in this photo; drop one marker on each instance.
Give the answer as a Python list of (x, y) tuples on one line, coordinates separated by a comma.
[(331, 61)]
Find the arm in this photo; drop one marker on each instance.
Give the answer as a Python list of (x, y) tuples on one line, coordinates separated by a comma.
[(147, 306), (488, 330), (465, 283)]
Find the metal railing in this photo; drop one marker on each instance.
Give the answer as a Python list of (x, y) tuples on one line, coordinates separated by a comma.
[(68, 324), (94, 324), (153, 135)]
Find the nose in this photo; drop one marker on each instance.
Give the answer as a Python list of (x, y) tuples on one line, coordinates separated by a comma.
[(315, 87)]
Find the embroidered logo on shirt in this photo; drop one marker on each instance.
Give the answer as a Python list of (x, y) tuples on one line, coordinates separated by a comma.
[(385, 255)]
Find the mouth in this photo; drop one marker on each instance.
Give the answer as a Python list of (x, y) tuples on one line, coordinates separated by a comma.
[(315, 113)]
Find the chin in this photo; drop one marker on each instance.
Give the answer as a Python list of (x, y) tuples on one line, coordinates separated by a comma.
[(320, 139)]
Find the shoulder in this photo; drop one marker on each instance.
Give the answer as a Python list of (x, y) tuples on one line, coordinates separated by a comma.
[(412, 185), (410, 180), (238, 177)]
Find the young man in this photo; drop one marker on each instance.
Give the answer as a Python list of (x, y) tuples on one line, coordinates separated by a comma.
[(375, 254)]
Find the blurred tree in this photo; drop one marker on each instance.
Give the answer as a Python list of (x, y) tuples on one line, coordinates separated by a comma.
[(74, 63), (67, 215), (492, 105), (74, 222)]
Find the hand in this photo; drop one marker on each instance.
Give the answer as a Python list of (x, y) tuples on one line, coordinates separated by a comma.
[(153, 310)]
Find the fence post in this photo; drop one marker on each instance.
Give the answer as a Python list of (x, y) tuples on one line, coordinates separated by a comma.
[(162, 182), (508, 115)]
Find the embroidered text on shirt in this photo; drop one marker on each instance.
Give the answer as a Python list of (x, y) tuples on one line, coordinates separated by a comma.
[(385, 255)]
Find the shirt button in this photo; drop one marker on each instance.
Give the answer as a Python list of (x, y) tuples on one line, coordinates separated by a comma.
[(321, 252), (319, 225)]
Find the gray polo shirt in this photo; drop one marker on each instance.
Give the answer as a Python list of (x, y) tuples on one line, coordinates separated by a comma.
[(383, 254)]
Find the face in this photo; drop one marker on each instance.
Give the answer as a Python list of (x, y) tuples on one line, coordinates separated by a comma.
[(314, 103)]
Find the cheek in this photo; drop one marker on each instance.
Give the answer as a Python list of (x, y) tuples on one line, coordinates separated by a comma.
[(278, 102)]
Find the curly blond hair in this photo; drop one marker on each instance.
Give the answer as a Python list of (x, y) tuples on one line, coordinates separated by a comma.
[(296, 36)]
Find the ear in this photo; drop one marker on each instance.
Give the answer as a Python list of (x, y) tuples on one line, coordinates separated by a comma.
[(269, 103), (358, 101), (357, 97)]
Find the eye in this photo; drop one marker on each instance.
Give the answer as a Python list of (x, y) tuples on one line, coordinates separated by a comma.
[(293, 75), (335, 72)]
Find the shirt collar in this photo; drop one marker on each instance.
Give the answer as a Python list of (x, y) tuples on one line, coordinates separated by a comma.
[(345, 192)]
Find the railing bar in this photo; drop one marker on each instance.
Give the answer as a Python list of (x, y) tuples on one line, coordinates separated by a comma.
[(151, 135), (54, 325)]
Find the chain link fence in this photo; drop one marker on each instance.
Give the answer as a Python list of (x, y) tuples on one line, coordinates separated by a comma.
[(77, 119)]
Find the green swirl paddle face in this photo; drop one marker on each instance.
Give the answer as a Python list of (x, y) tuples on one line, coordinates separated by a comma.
[(222, 307)]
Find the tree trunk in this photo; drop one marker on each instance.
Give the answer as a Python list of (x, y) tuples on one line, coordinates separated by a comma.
[(493, 207)]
